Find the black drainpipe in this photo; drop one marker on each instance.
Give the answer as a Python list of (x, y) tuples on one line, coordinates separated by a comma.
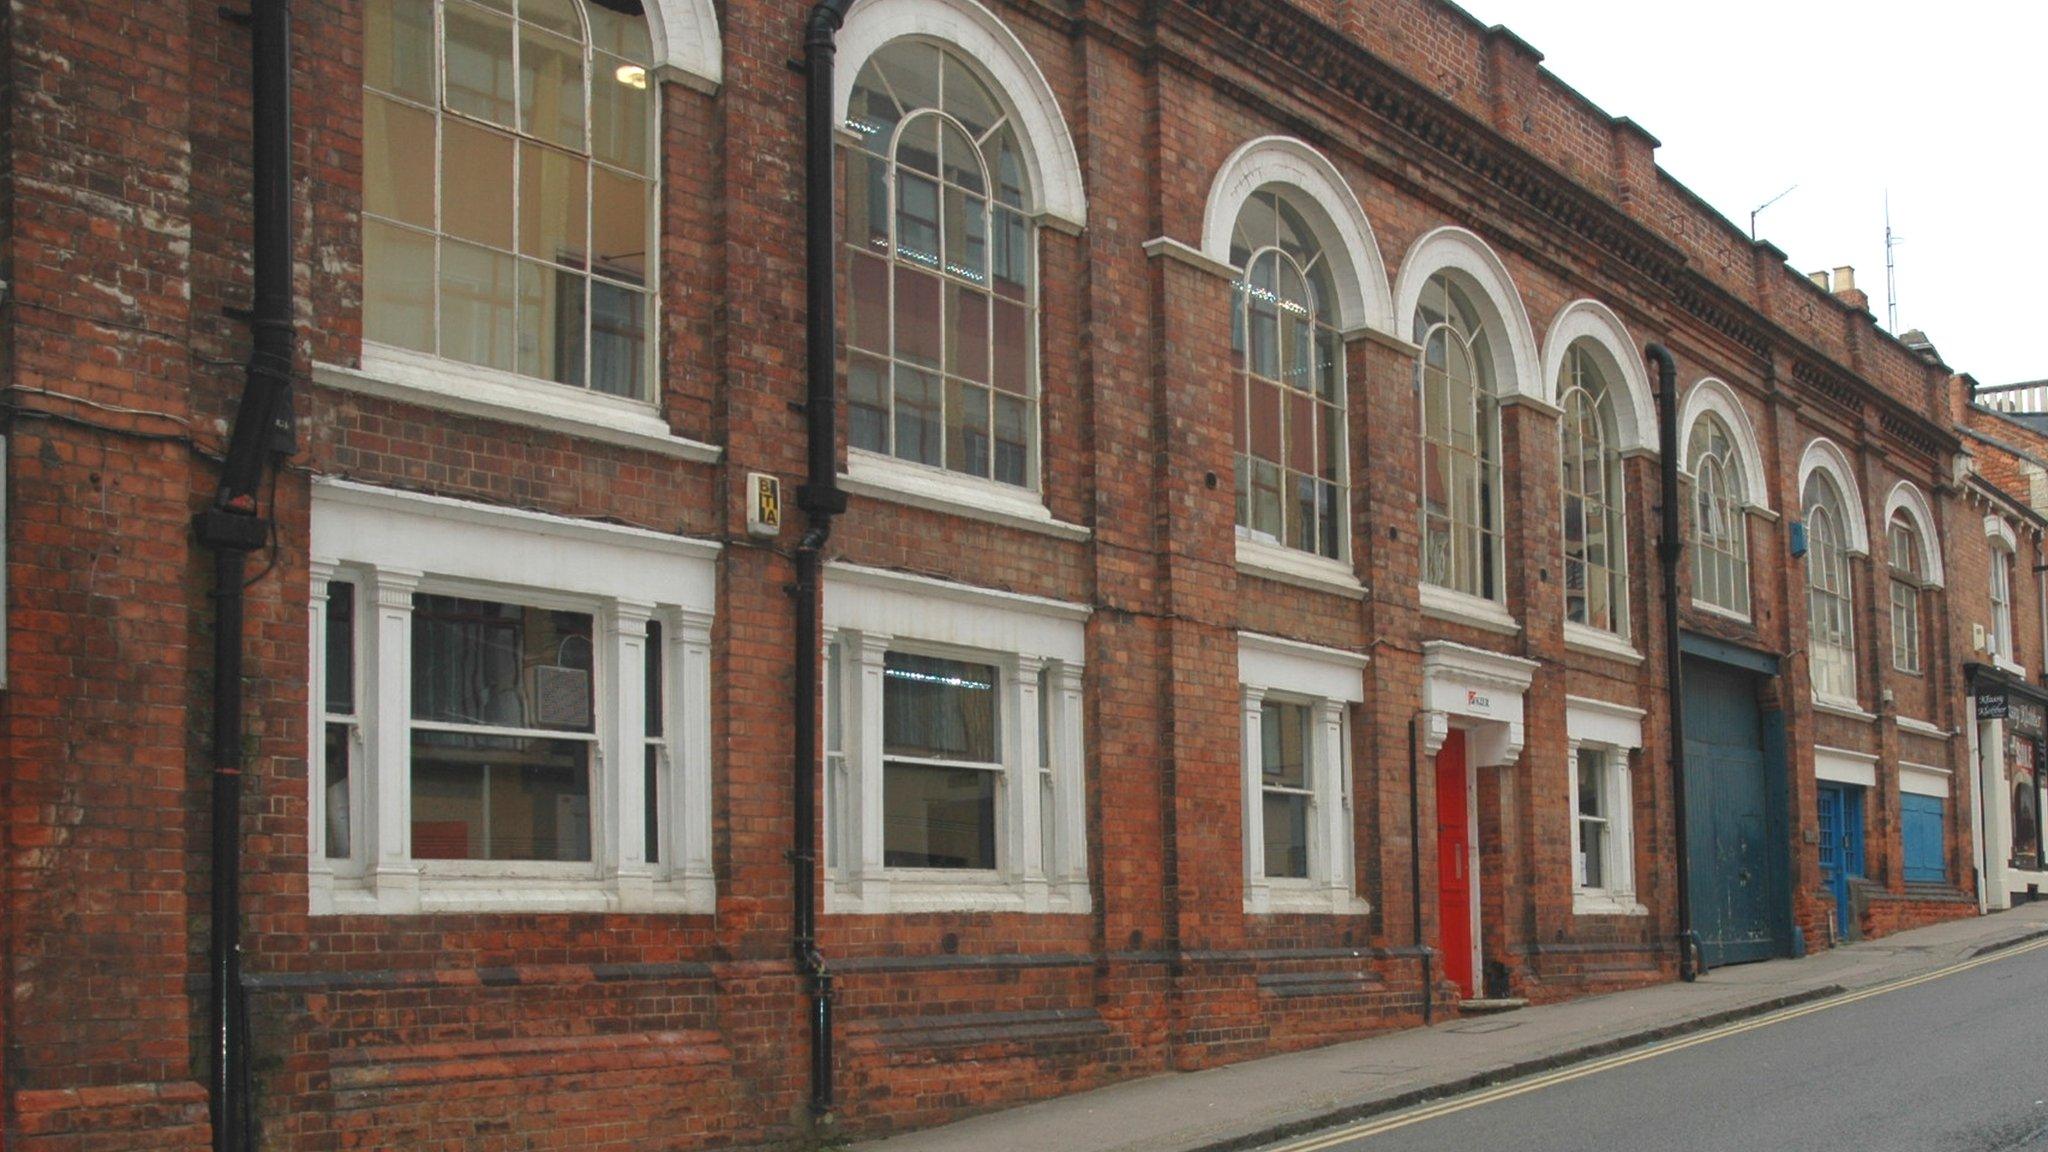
[(821, 500), (1415, 871), (1670, 550), (231, 529)]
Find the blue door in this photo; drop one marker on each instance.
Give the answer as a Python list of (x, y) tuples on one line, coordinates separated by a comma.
[(1841, 847), (1925, 824), (1736, 846)]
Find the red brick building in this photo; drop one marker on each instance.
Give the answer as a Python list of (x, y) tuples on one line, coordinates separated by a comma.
[(1245, 630)]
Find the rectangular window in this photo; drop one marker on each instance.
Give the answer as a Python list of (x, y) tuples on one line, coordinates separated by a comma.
[(502, 731), (476, 744), (1296, 820), (1905, 626), (1593, 818), (2001, 604), (1286, 788), (942, 763), (340, 731)]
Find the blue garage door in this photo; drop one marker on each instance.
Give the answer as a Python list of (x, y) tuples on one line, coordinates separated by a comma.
[(1926, 839)]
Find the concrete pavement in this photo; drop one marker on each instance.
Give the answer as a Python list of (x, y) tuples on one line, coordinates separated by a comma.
[(1260, 1101)]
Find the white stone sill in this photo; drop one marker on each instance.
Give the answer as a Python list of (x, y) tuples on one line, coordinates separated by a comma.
[(1594, 902), (1581, 638), (1922, 728), (464, 389), (1256, 557), (1301, 898), (907, 892), (880, 477), (1846, 709), (513, 891), (1459, 608)]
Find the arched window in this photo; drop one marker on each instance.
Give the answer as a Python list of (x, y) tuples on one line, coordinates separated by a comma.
[(939, 244), (1908, 578), (1720, 571), (1289, 363), (1831, 637), (509, 168), (1460, 443), (1595, 547)]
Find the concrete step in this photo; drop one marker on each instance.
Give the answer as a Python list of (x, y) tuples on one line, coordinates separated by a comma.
[(1484, 1007)]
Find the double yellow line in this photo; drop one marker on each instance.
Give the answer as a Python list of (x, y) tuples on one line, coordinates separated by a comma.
[(1327, 1140)]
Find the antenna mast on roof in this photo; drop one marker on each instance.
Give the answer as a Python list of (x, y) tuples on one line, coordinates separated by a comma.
[(1891, 278), (1766, 204)]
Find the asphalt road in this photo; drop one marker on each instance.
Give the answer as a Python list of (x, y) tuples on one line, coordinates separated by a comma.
[(1954, 1064)]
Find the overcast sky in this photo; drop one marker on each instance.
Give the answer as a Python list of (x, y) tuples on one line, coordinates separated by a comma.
[(1941, 104)]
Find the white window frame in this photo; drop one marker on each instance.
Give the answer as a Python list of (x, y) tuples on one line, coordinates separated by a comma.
[(1999, 637), (395, 545), (1330, 682), (1611, 501), (1616, 730), (1907, 583), (1831, 584), (418, 373), (1036, 645)]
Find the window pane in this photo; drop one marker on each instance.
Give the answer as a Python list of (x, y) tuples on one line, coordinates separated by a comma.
[(917, 318), (554, 205), (966, 236), (867, 404), (618, 226), (967, 344), (500, 665), (967, 428), (398, 161), (934, 817), (553, 15), (1013, 441), (1283, 730), (341, 648), (1014, 363), (620, 27), (477, 288), (335, 795), (476, 183), (938, 709), (653, 786), (551, 323), (478, 48), (656, 654), (961, 165), (619, 113), (398, 48), (1286, 816), (499, 797), (917, 416), (967, 99), (868, 318), (398, 287), (618, 339), (551, 87)]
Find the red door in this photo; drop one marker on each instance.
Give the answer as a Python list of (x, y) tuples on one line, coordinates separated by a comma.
[(1454, 860)]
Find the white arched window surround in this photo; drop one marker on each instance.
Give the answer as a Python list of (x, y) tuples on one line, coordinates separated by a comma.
[(1333, 212), (1824, 455), (1053, 165), (1607, 338), (1711, 395), (1907, 497), (686, 42), (1517, 370)]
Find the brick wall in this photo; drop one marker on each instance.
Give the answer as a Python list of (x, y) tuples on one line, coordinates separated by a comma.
[(126, 241)]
